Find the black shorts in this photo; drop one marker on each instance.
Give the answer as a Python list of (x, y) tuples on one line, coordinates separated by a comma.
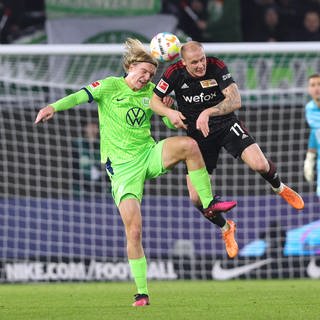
[(233, 136)]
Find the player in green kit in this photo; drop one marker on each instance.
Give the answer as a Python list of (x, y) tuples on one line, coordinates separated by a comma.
[(131, 154)]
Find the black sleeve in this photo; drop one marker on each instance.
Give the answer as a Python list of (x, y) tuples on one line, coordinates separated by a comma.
[(224, 77), (164, 85)]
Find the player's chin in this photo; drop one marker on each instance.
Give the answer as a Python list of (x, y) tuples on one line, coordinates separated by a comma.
[(200, 73), (140, 85)]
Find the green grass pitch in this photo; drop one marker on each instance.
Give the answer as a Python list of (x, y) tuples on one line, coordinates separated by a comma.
[(239, 299)]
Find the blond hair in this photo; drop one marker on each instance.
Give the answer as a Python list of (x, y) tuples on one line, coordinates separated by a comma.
[(135, 52)]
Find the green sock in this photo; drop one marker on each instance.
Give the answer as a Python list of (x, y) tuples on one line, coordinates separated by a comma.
[(201, 182), (139, 272)]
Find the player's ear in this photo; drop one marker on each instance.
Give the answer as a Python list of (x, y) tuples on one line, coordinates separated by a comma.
[(131, 67), (183, 62)]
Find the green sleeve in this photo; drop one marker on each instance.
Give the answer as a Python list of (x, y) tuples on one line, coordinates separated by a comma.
[(168, 123), (71, 100)]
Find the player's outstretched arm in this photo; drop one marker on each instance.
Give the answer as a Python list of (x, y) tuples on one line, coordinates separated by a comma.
[(158, 106), (168, 101), (65, 103), (45, 114)]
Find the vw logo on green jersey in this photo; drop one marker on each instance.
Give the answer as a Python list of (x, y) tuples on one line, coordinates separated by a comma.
[(136, 117)]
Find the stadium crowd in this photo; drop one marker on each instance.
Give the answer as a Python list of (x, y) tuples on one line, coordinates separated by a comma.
[(201, 20), (20, 18), (247, 20)]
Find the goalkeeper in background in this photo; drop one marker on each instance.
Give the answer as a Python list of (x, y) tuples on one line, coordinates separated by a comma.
[(312, 111), (131, 155), (87, 173), (207, 97)]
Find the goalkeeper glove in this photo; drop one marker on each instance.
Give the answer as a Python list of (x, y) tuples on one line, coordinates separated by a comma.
[(309, 164)]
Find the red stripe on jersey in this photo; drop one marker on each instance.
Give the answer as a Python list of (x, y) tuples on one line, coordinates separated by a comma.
[(172, 68), (217, 62)]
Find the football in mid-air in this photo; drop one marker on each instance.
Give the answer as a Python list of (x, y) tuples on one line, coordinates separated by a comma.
[(165, 46)]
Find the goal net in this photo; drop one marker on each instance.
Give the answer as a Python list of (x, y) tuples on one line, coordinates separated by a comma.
[(57, 217)]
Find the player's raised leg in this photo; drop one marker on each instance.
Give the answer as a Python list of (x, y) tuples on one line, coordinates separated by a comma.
[(185, 149), (176, 149), (228, 227), (255, 159)]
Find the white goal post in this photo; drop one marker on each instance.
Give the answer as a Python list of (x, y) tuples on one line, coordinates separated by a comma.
[(57, 218)]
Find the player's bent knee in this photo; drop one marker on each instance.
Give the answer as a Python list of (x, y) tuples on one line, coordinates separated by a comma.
[(134, 234), (191, 145), (261, 167), (185, 148)]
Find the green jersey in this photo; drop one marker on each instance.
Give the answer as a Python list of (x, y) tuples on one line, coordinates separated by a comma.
[(124, 118)]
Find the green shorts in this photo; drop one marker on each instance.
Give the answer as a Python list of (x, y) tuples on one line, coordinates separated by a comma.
[(127, 179)]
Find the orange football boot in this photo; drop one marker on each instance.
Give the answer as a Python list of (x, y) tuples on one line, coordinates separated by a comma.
[(292, 197), (229, 240)]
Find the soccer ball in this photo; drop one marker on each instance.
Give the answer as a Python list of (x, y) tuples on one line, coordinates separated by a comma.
[(165, 46)]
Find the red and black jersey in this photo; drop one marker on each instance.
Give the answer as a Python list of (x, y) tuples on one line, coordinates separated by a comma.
[(193, 95)]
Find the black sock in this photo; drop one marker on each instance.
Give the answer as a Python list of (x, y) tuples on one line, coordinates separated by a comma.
[(272, 176), (217, 219)]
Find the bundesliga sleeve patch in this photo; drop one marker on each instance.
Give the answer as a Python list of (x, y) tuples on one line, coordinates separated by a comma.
[(95, 84), (162, 86)]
